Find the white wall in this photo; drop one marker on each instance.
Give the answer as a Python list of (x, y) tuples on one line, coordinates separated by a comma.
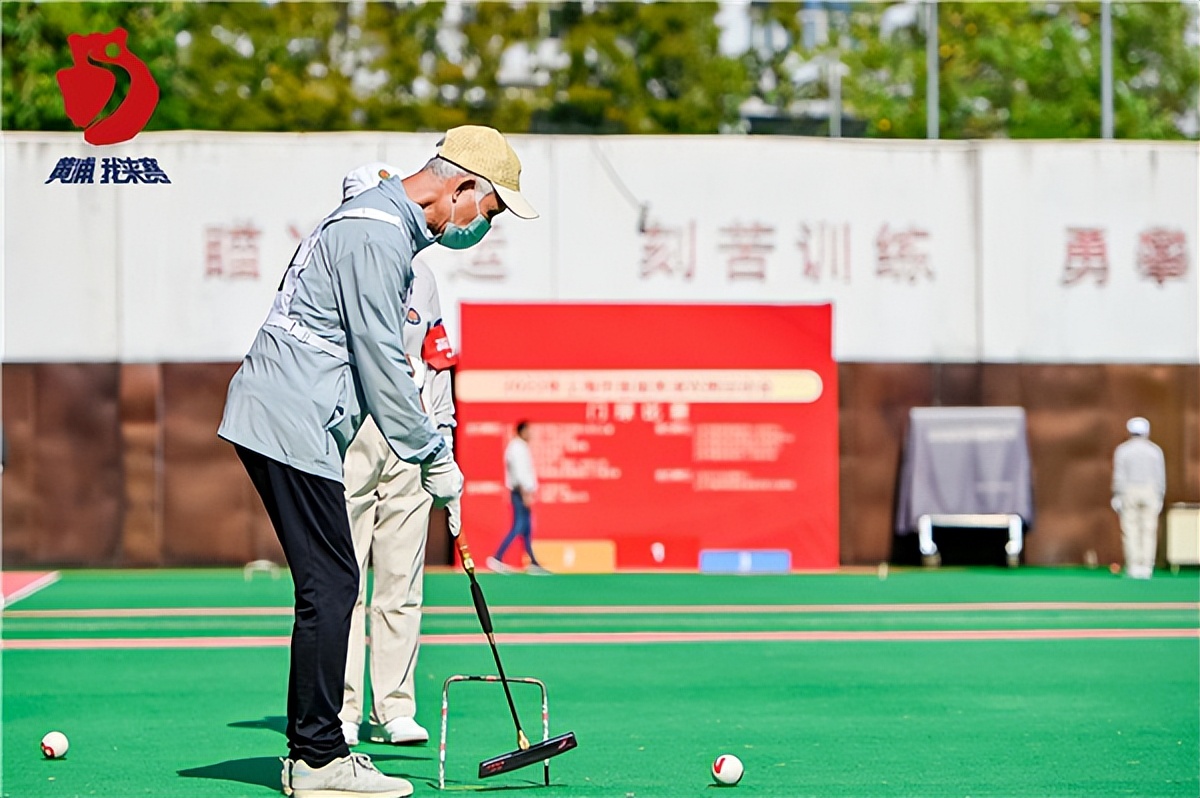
[(942, 251), (1038, 306)]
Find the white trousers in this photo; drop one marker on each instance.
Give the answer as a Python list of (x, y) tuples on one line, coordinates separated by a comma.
[(389, 519), (1140, 507)]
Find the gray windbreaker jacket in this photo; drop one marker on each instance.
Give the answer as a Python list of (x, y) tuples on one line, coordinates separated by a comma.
[(299, 400)]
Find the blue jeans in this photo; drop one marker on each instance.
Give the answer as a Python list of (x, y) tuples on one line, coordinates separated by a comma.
[(521, 526)]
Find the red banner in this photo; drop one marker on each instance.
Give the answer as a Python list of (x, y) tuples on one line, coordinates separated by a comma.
[(666, 429)]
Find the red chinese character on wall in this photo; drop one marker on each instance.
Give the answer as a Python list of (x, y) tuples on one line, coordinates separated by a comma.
[(243, 251), (749, 244), (485, 260), (232, 252), (1087, 255), (1162, 254), (214, 252), (901, 254), (296, 232), (669, 250), (825, 251)]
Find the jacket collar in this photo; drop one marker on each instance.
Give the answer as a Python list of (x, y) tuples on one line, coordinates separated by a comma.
[(392, 191)]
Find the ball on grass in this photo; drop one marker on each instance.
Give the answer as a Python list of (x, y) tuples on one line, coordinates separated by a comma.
[(727, 769), (54, 745)]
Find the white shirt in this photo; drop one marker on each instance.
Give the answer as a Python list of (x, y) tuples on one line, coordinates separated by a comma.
[(424, 312), (518, 466), (1138, 463)]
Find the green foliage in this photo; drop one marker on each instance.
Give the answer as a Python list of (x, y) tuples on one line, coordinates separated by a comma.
[(33, 40), (644, 68), (1028, 70), (1005, 69)]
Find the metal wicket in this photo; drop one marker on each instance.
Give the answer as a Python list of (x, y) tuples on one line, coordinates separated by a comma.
[(489, 678)]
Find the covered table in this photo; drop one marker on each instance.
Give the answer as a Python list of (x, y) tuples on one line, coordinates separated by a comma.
[(965, 467)]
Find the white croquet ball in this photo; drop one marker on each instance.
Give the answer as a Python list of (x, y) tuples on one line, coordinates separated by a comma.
[(727, 769), (54, 745)]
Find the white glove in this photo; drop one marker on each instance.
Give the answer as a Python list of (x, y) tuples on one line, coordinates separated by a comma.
[(441, 478), (454, 517), (1116, 504)]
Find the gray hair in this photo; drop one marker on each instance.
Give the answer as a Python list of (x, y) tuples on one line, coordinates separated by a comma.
[(442, 169)]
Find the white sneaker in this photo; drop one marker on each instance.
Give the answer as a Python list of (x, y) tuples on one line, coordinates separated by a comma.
[(495, 565), (537, 570), (351, 776), (400, 731), (350, 732), (286, 776)]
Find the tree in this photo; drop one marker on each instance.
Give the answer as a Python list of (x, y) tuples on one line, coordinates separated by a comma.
[(1005, 69), (1028, 70), (643, 68), (285, 66), (33, 40)]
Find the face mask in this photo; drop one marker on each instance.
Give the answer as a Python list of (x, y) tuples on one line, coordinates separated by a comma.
[(455, 237)]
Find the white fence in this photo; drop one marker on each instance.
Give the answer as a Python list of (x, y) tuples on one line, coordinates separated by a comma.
[(931, 251)]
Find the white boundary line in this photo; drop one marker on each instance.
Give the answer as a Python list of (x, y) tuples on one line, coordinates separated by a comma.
[(28, 590), (628, 638)]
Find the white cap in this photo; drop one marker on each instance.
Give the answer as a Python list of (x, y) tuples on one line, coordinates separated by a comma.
[(1138, 426), (364, 177)]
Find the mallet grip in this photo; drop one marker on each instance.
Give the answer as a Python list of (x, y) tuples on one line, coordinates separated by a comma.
[(485, 617), (464, 551), (481, 608), (485, 620)]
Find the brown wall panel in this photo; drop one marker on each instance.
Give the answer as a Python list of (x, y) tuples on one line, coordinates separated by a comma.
[(20, 495), (875, 400), (141, 438), (1076, 416), (120, 465), (212, 513), (63, 483)]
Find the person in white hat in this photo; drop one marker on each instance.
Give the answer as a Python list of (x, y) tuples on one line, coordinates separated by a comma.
[(1138, 486), (389, 520), (329, 354)]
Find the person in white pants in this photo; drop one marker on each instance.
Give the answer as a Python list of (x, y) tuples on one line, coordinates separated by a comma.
[(389, 520), (1138, 487)]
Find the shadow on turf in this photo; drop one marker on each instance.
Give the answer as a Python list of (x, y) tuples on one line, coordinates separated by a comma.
[(276, 723), (265, 770), (467, 786)]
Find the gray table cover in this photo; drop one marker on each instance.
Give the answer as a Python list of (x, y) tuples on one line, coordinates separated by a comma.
[(964, 460)]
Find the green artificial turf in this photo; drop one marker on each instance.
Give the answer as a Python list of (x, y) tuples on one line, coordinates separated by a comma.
[(857, 718), (222, 587)]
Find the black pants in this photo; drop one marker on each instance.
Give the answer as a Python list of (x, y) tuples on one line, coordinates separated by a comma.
[(309, 516)]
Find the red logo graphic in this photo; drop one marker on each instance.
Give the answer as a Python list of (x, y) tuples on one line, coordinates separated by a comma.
[(87, 87)]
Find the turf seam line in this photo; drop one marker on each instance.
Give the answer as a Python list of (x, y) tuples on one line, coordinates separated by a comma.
[(626, 609)]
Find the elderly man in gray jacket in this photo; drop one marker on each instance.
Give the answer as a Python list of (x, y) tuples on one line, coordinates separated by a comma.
[(331, 352)]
